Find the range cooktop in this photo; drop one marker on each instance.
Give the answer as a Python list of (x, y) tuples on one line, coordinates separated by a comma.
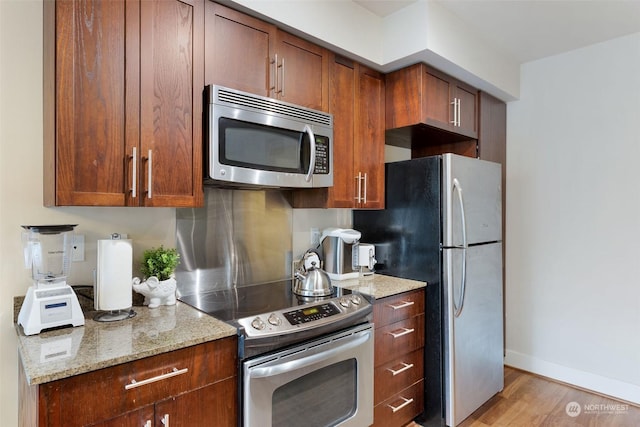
[(272, 309)]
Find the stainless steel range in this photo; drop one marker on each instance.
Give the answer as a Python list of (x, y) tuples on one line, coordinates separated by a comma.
[(297, 353)]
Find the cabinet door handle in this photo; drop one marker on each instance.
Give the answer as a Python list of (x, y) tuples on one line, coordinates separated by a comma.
[(455, 111), (403, 332), (134, 173), (273, 75), (282, 78), (404, 304), (402, 405), (459, 118), (149, 172), (365, 189), (405, 366), (165, 420), (359, 179), (147, 424), (173, 373)]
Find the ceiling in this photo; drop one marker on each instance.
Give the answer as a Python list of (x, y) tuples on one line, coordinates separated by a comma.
[(532, 29)]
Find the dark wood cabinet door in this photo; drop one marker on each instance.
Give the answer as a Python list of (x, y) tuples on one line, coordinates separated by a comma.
[(208, 406), (467, 97), (172, 81), (369, 136), (238, 50), (302, 72), (342, 106), (86, 113), (437, 99)]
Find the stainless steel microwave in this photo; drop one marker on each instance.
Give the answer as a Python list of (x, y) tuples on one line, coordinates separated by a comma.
[(255, 141)]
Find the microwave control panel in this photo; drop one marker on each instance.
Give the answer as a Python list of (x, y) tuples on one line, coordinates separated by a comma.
[(322, 155)]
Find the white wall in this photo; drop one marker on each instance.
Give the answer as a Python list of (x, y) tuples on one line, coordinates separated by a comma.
[(573, 219)]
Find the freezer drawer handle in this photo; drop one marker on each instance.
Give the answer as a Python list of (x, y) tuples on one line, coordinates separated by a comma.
[(405, 366), (173, 373), (405, 331), (404, 304), (405, 403)]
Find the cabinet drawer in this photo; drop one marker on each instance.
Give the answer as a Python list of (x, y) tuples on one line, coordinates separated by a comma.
[(398, 307), (400, 373), (398, 338), (401, 408), (106, 393)]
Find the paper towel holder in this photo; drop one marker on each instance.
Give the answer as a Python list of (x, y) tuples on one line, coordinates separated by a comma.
[(112, 284)]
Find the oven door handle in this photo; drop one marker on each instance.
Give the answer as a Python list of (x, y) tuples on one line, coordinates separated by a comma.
[(280, 368)]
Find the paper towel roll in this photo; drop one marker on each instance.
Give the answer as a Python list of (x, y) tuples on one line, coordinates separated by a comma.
[(114, 273)]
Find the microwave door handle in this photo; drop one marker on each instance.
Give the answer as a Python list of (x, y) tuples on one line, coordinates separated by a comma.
[(312, 157)]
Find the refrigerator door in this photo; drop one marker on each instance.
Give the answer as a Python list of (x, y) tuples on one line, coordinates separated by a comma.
[(473, 340), (471, 201)]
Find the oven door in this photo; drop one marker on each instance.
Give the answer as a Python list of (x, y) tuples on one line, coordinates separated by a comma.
[(324, 382)]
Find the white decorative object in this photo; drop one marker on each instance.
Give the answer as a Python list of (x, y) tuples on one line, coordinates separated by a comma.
[(156, 292)]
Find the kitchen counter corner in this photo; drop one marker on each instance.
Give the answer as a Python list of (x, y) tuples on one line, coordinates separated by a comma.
[(62, 353), (380, 286)]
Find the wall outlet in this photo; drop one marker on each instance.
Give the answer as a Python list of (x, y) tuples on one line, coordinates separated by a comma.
[(315, 237), (78, 248)]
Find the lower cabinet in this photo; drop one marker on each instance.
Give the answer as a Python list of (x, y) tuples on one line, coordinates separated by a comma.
[(194, 386), (399, 358)]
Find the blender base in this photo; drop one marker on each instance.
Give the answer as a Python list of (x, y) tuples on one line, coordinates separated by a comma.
[(49, 307)]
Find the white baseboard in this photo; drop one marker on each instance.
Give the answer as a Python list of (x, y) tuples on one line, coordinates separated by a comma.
[(598, 384)]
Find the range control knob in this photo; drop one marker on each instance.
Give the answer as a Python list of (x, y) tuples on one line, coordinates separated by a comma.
[(345, 302), (355, 299), (274, 320), (258, 323)]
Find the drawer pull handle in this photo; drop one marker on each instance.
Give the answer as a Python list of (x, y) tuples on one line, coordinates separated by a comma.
[(404, 304), (405, 331), (173, 373), (405, 366), (405, 403)]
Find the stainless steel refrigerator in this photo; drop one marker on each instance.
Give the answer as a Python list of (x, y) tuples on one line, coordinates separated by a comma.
[(443, 224)]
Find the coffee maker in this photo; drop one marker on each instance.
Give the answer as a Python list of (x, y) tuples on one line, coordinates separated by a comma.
[(338, 245), (50, 302)]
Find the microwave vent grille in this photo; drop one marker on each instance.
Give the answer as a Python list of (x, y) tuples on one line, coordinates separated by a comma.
[(246, 100)]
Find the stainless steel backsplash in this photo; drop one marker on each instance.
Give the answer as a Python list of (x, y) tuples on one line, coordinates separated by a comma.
[(240, 237)]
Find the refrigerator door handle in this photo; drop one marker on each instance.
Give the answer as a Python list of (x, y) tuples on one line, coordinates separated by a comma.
[(463, 279)]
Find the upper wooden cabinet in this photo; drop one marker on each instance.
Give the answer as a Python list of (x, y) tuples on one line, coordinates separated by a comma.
[(251, 55), (123, 87), (356, 100), (421, 95)]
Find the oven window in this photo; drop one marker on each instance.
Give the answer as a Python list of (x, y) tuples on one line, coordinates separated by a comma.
[(261, 147), (323, 398)]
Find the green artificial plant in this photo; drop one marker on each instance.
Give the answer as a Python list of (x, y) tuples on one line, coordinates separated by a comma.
[(160, 262)]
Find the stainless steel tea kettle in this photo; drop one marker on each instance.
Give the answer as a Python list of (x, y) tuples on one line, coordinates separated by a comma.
[(310, 279)]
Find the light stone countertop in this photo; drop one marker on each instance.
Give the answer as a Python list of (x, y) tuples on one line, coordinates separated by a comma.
[(66, 352), (62, 353), (379, 286)]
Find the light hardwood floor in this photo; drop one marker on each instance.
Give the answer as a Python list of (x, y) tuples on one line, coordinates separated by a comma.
[(529, 400)]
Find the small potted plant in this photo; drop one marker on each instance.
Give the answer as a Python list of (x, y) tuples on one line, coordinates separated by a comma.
[(158, 267)]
